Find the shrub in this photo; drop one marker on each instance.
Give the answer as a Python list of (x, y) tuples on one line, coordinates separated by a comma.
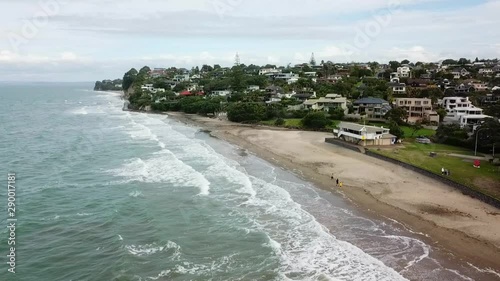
[(315, 120), (279, 122)]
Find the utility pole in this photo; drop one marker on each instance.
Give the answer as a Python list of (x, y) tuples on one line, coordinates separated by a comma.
[(477, 135)]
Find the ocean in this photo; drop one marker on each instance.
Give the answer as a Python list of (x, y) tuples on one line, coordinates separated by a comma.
[(105, 194)]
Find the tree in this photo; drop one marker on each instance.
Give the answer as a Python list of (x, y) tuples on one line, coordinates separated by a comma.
[(405, 62), (246, 112), (144, 70), (396, 130), (337, 113), (416, 127), (493, 110), (129, 78), (394, 65), (315, 120), (398, 115), (489, 135), (463, 61), (442, 114), (451, 134)]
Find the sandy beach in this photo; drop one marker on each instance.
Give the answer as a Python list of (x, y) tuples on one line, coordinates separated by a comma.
[(453, 222)]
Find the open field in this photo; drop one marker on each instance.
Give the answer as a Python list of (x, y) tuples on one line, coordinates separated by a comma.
[(486, 179)]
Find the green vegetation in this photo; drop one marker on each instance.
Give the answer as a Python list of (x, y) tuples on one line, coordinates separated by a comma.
[(410, 132), (108, 85), (486, 179)]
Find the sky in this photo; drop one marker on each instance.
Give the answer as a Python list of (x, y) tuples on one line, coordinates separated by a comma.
[(89, 40)]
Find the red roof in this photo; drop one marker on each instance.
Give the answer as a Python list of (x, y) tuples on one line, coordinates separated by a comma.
[(186, 93)]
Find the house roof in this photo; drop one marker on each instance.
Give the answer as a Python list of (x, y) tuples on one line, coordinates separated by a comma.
[(311, 102), (395, 84), (186, 93), (302, 95), (371, 100), (332, 100), (361, 128)]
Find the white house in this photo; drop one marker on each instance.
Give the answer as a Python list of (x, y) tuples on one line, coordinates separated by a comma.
[(182, 78), (289, 77), (404, 71), (486, 71), (253, 88), (147, 87), (462, 111), (397, 87), (458, 73), (221, 93), (265, 71), (364, 135)]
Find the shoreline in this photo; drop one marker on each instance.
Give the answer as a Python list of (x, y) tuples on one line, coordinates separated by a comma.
[(450, 230)]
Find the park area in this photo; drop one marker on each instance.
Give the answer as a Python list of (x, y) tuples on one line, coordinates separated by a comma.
[(459, 161)]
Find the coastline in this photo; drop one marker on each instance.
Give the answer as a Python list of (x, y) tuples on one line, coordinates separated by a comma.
[(452, 222)]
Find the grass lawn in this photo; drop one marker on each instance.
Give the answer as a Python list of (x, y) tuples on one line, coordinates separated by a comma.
[(422, 132), (486, 179), (294, 123)]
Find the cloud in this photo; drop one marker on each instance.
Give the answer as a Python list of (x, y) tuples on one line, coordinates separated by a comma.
[(90, 39)]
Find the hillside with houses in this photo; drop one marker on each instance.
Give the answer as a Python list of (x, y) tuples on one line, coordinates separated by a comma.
[(458, 96)]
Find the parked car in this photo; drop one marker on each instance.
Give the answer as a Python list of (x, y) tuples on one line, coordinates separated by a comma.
[(423, 140)]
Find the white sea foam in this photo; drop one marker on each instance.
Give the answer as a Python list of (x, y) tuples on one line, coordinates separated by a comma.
[(80, 111), (120, 237), (135, 194), (165, 168), (486, 270), (151, 249), (303, 245)]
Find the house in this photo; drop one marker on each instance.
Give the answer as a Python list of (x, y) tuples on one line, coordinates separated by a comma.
[(311, 74), (334, 101), (491, 98), (147, 87), (330, 102), (274, 90), (332, 79), (427, 76), (486, 71), (289, 77), (265, 71), (476, 84), (419, 109), (364, 135), (182, 78), (303, 96), (396, 86), (403, 71), (419, 83), (459, 73), (373, 108), (464, 89), (461, 110), (221, 93), (496, 69), (253, 88)]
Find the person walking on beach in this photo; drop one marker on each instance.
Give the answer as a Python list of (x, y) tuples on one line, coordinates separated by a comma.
[(331, 177), (337, 182), (341, 184)]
